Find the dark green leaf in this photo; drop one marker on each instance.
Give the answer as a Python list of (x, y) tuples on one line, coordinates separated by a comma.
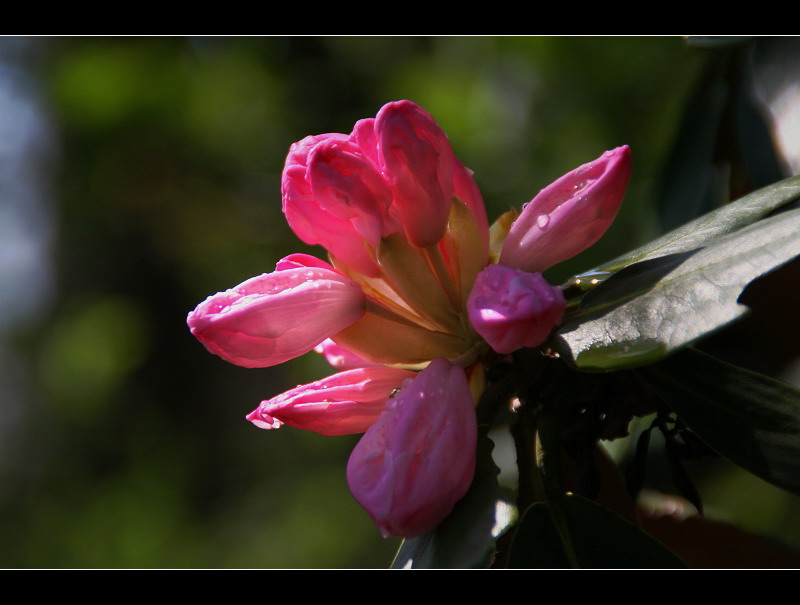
[(466, 538), (536, 543), (654, 307), (751, 419), (598, 537), (637, 470), (680, 477)]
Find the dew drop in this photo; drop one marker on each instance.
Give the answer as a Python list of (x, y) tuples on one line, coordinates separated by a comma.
[(582, 185), (542, 221)]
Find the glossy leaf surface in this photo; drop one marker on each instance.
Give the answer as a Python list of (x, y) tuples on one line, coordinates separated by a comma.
[(658, 305)]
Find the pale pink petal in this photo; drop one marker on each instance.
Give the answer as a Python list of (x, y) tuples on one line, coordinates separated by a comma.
[(340, 358), (277, 316), (413, 465), (345, 403), (569, 215), (512, 309)]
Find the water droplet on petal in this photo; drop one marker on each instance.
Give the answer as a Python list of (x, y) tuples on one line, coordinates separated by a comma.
[(542, 221), (582, 185)]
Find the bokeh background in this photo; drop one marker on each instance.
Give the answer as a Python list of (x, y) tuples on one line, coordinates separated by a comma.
[(139, 175)]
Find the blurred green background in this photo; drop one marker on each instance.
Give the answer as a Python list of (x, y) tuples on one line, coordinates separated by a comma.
[(140, 175)]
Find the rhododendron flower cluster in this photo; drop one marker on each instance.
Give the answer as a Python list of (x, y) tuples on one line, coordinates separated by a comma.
[(408, 304)]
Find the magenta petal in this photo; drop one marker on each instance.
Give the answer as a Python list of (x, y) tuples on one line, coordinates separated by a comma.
[(298, 260), (512, 309), (418, 163), (465, 187), (277, 316), (364, 136), (413, 465), (319, 221), (569, 215), (347, 185), (345, 403)]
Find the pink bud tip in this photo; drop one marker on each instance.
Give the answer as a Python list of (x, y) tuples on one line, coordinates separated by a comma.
[(342, 404), (299, 260), (512, 309), (413, 465), (277, 316), (569, 215)]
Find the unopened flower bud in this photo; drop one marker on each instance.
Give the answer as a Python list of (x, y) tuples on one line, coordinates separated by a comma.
[(569, 215), (418, 163), (512, 309), (277, 316), (318, 221), (342, 404), (413, 465)]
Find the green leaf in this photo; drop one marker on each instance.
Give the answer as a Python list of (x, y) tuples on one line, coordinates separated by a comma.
[(537, 544), (653, 307), (598, 537), (706, 229), (466, 538), (749, 418)]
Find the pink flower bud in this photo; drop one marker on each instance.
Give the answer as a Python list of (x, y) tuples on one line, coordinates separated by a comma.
[(512, 309), (345, 403), (569, 215), (340, 358), (413, 465), (418, 163), (311, 219), (277, 316), (348, 186)]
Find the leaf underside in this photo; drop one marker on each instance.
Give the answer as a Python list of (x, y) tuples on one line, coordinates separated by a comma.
[(751, 419)]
